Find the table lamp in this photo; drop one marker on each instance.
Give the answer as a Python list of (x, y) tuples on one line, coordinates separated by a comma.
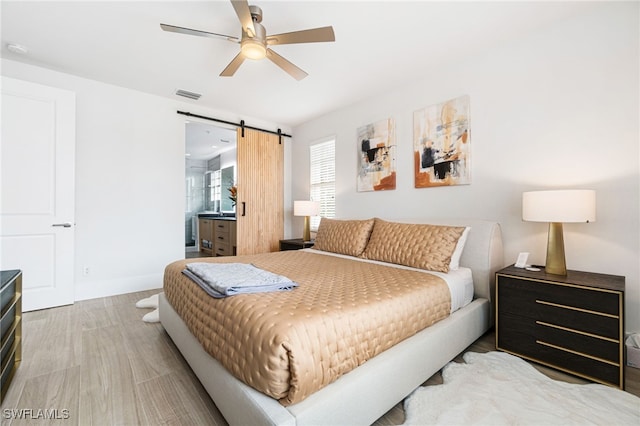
[(558, 207), (306, 208)]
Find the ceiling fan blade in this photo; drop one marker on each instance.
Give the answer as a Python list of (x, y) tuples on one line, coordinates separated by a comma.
[(287, 66), (244, 15), (189, 31), (314, 35), (233, 66)]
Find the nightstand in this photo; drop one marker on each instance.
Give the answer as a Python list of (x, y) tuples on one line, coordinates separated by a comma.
[(294, 244), (574, 323)]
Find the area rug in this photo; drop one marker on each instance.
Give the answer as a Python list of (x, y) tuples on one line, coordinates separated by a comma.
[(496, 388)]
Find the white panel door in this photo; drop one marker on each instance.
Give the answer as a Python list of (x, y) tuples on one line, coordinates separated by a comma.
[(37, 164)]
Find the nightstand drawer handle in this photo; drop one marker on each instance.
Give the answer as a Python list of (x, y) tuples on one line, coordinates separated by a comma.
[(573, 308), (560, 348), (572, 330)]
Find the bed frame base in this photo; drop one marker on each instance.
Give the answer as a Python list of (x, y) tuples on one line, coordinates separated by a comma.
[(359, 397)]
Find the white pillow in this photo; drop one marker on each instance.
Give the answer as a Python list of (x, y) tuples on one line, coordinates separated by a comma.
[(455, 257)]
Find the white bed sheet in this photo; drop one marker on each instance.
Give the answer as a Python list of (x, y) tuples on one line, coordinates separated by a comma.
[(460, 281)]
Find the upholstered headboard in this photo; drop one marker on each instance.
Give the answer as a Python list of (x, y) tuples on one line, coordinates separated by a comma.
[(482, 252)]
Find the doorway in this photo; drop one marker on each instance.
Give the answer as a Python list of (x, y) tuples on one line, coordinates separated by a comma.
[(210, 172), (37, 220)]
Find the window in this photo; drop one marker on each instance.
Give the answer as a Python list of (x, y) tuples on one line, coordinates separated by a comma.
[(212, 184), (322, 157)]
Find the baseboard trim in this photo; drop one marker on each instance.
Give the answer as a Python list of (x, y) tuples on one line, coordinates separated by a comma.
[(106, 288)]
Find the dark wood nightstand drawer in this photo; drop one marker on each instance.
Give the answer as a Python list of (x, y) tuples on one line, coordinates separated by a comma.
[(7, 373), (517, 330), (564, 356), (7, 295), (7, 344), (591, 299)]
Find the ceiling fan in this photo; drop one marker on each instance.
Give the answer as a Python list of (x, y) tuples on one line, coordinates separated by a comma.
[(255, 43)]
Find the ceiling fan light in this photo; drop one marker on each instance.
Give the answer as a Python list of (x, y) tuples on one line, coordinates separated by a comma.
[(253, 49)]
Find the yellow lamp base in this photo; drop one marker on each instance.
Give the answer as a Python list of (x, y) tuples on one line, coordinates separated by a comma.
[(556, 263), (306, 232)]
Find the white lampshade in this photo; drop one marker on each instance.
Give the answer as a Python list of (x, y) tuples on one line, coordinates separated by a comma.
[(562, 206), (558, 207), (306, 208)]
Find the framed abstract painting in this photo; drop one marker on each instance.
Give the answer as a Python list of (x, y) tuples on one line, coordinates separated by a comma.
[(442, 144), (376, 156)]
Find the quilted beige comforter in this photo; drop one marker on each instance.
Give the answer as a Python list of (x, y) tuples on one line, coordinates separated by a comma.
[(290, 344)]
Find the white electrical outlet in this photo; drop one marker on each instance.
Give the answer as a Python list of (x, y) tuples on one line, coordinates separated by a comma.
[(85, 271)]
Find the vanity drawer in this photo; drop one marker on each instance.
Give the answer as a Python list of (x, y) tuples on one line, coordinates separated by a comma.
[(205, 225), (223, 238), (223, 250), (222, 226)]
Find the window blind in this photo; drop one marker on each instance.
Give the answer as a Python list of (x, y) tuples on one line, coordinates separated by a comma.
[(323, 179)]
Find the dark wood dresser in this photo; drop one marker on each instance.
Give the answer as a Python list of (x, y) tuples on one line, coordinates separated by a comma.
[(574, 323), (10, 326)]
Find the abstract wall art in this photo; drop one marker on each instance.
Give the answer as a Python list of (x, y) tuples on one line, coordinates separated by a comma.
[(376, 156), (442, 144)]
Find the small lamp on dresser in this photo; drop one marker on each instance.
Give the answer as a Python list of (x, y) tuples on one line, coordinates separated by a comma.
[(558, 207), (306, 208)]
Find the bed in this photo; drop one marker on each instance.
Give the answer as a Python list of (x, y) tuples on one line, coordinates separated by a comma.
[(363, 394)]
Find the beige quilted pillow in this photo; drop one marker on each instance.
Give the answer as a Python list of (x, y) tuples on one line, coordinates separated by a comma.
[(343, 236), (420, 246)]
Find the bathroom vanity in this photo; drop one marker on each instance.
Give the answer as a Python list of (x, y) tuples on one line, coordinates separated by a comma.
[(217, 235)]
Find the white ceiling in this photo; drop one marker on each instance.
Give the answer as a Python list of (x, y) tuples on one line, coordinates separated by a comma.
[(204, 140), (379, 45)]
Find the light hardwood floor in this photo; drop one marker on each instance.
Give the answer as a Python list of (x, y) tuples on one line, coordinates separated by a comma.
[(98, 361)]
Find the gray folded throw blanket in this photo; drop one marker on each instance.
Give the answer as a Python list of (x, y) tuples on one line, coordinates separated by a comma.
[(227, 279)]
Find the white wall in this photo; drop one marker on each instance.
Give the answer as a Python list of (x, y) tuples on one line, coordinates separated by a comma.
[(557, 109), (228, 158), (130, 187)]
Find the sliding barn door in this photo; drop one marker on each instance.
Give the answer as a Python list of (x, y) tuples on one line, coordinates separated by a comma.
[(260, 209)]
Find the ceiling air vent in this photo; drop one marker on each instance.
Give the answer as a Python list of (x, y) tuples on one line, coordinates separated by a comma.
[(187, 94)]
